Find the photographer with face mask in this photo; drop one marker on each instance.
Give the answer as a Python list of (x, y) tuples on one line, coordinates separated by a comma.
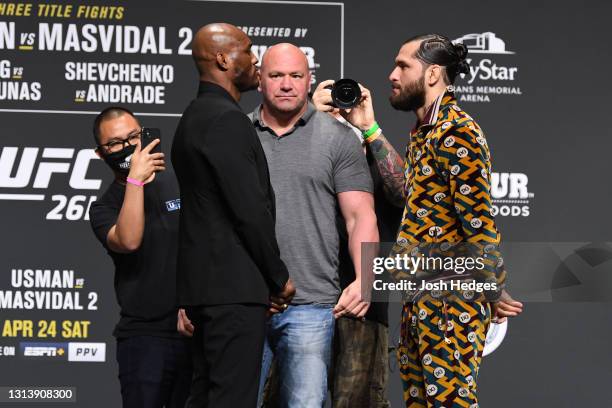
[(136, 220)]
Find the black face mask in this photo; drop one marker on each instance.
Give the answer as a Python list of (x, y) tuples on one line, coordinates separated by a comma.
[(120, 161)]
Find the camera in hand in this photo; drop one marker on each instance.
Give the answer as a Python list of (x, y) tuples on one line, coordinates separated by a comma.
[(345, 93)]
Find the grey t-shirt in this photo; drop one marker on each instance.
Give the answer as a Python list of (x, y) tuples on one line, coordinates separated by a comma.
[(309, 165)]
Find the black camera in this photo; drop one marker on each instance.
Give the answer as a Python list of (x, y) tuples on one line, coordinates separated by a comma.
[(345, 93)]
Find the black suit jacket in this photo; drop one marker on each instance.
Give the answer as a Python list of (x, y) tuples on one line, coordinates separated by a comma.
[(227, 245)]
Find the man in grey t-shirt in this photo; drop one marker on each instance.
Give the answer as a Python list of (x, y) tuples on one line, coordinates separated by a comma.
[(318, 172)]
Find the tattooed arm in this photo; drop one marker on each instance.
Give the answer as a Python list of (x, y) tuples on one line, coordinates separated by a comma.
[(389, 163), (390, 166)]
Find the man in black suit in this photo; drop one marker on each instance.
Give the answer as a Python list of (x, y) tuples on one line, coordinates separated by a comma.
[(229, 263)]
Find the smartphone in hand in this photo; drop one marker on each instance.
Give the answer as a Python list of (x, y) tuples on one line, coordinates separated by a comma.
[(148, 135)]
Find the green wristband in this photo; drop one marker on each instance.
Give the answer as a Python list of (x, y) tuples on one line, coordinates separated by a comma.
[(370, 131)]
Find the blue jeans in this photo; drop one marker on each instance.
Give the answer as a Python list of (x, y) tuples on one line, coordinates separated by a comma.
[(300, 342)]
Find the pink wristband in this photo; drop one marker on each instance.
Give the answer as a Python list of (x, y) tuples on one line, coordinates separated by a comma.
[(135, 182)]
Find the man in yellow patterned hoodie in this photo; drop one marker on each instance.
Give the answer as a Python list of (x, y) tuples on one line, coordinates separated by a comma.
[(443, 184)]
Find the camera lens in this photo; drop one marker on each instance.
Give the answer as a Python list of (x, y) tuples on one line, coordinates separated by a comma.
[(346, 93)]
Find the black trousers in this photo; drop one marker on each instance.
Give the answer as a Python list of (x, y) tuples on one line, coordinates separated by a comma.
[(227, 352), (154, 372)]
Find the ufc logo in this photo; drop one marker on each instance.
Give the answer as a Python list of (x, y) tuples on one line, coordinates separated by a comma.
[(27, 167)]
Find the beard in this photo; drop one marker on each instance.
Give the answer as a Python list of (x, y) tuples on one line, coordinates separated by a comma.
[(411, 97)]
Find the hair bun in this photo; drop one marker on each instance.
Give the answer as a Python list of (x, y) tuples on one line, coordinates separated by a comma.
[(463, 67), (461, 51)]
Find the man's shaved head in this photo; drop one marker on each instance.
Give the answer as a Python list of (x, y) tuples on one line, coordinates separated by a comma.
[(213, 39), (286, 51), (222, 54), (285, 80)]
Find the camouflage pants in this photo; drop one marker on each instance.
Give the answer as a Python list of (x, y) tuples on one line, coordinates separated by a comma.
[(360, 367), (361, 361), (440, 352)]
